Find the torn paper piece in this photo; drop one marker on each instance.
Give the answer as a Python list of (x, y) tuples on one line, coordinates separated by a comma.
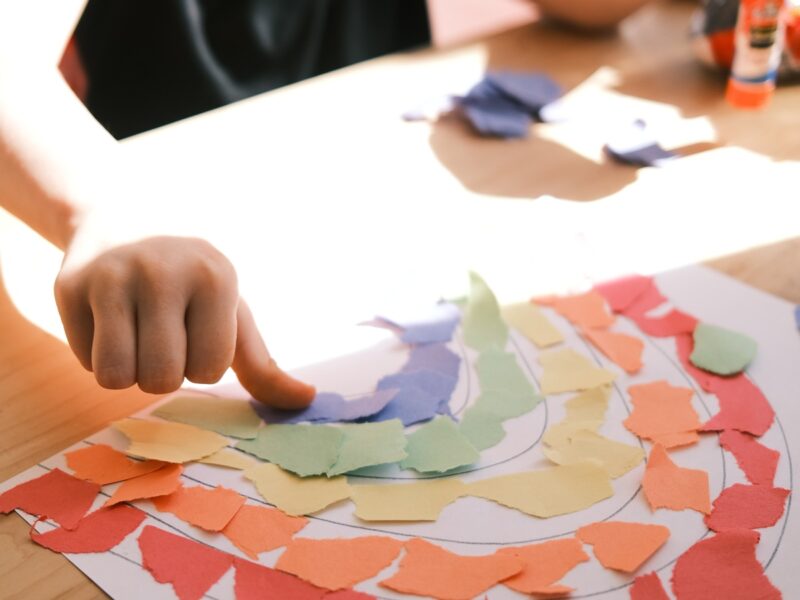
[(624, 350), (55, 495), (634, 145), (368, 444), (302, 449), (544, 565), (230, 459), (531, 322), (482, 427), (590, 405), (235, 418), (328, 408), (428, 570), (482, 324), (433, 357), (663, 413), (433, 325), (533, 90), (587, 310), (747, 507), (418, 501), (742, 406), (339, 563), (502, 379), (671, 324), (170, 442), (567, 371), (720, 350), (257, 582), (587, 446), (666, 485), (723, 566), (295, 495), (648, 587), (623, 546), (758, 462), (438, 446), (256, 529), (158, 483), (102, 464), (96, 532), (623, 292), (496, 117), (207, 508)]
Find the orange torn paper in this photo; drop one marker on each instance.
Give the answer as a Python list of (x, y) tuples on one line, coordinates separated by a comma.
[(664, 414), (583, 310), (666, 485), (428, 570), (544, 565), (170, 442), (625, 350), (158, 483), (339, 563), (255, 529), (210, 509), (623, 546), (102, 464)]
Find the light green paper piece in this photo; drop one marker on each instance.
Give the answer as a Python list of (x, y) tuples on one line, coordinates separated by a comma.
[(482, 324), (720, 350), (235, 418), (369, 444), (438, 446), (482, 427), (505, 390), (302, 449)]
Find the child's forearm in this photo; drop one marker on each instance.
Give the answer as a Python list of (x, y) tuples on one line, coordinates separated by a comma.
[(590, 14)]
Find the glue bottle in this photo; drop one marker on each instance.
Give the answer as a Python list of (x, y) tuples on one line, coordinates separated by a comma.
[(758, 47)]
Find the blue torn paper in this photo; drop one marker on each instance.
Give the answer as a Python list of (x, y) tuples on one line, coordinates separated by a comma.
[(532, 90), (433, 357), (422, 395), (432, 325), (634, 145), (329, 408)]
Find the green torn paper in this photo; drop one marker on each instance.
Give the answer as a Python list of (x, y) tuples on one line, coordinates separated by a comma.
[(504, 387), (482, 325), (235, 418), (438, 446), (720, 350), (482, 427), (368, 444), (302, 449)]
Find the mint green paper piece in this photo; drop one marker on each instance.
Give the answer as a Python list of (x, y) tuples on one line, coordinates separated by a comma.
[(439, 446), (505, 390), (482, 324), (369, 444), (482, 428), (235, 418), (302, 449), (720, 350)]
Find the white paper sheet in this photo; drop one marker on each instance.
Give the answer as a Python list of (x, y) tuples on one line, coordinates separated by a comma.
[(475, 526)]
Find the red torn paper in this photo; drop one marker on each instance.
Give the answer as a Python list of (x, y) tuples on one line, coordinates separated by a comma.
[(191, 567), (645, 302), (583, 310), (256, 582), (255, 529), (544, 565), (209, 509), (429, 570), (625, 350), (158, 483), (666, 485), (348, 595), (724, 566), (648, 587), (673, 323), (621, 293), (339, 563), (758, 462), (55, 495), (102, 464), (747, 507), (97, 532), (663, 413), (623, 546)]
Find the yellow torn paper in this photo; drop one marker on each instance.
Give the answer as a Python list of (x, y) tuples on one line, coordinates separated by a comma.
[(590, 405), (170, 442), (567, 371), (582, 445), (418, 501), (235, 418), (229, 458), (296, 495), (531, 322)]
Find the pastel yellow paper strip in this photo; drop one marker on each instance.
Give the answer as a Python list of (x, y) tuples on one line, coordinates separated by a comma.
[(170, 442), (297, 495)]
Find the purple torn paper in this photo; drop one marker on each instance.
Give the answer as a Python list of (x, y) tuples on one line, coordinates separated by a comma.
[(328, 408), (634, 145), (411, 405), (531, 90), (433, 325), (433, 357)]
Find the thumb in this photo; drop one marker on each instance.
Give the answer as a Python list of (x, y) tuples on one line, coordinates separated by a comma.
[(259, 374)]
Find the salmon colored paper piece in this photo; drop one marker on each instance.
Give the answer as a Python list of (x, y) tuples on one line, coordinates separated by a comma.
[(673, 323), (255, 529), (758, 462), (623, 546), (170, 442), (622, 293), (339, 563), (208, 508), (624, 350), (55, 495), (257, 582), (723, 566), (430, 570), (191, 567), (648, 587), (742, 406), (666, 485), (544, 565), (97, 532), (644, 302), (158, 483), (663, 413), (747, 507), (582, 310), (102, 464)]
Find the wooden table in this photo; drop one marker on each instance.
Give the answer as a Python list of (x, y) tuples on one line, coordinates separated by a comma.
[(320, 191)]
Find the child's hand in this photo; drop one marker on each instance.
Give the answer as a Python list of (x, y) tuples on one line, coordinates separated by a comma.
[(155, 311)]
